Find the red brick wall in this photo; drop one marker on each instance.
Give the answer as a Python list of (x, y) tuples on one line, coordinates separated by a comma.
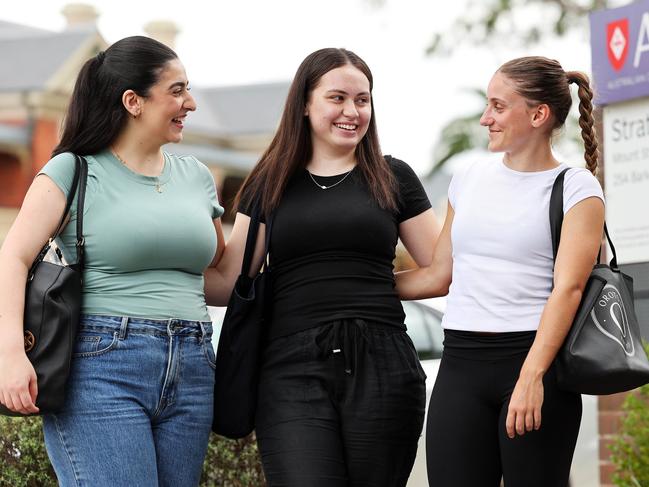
[(609, 423), (15, 177), (14, 181), (45, 138)]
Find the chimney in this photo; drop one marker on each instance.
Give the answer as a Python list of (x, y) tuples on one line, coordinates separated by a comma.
[(164, 31), (80, 15)]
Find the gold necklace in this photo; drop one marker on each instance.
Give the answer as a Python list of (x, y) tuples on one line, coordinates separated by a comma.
[(158, 184)]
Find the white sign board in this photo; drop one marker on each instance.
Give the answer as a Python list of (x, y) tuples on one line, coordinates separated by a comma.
[(626, 178)]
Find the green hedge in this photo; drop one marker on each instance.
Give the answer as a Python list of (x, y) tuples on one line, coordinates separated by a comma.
[(24, 462), (630, 449), (232, 463)]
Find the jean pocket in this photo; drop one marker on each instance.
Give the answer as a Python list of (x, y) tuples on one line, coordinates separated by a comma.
[(208, 352), (92, 345)]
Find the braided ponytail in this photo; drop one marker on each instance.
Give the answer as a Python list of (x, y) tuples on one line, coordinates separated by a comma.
[(586, 121)]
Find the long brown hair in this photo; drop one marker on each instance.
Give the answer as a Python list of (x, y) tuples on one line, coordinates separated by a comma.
[(543, 80), (291, 146)]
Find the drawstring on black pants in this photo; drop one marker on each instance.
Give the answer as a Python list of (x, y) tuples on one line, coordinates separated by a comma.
[(343, 337)]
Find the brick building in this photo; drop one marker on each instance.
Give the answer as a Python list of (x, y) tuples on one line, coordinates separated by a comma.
[(39, 67)]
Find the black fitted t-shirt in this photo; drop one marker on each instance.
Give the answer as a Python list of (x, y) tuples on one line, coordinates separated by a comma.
[(331, 250)]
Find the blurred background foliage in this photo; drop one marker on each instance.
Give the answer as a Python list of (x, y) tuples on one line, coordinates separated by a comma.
[(488, 24), (24, 461)]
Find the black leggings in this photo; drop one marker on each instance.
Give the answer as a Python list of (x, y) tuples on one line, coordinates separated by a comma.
[(466, 441), (341, 405)]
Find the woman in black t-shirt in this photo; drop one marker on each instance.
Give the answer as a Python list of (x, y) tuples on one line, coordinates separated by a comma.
[(342, 393)]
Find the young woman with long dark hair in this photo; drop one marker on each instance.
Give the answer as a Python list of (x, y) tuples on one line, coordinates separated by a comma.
[(341, 397), (139, 398), (496, 410)]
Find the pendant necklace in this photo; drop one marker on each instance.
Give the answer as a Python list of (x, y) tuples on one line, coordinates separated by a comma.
[(322, 186), (158, 185)]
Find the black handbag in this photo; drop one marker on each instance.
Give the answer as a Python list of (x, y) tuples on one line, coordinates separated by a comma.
[(240, 343), (603, 352), (52, 307)]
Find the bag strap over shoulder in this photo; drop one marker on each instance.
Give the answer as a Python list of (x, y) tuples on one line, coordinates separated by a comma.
[(556, 212), (81, 199), (556, 220), (71, 195), (77, 189), (251, 239)]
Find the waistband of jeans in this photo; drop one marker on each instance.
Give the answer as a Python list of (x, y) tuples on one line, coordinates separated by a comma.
[(481, 346), (159, 327)]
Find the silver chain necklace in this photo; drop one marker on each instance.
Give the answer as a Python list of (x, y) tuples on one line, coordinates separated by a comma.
[(322, 186)]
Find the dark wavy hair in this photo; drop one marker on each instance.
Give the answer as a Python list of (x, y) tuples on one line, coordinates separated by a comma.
[(291, 146), (96, 114)]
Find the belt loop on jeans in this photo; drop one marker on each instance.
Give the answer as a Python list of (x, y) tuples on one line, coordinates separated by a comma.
[(170, 330), (203, 332), (122, 328)]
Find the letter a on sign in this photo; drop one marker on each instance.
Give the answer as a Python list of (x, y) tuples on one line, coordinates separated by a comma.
[(617, 42)]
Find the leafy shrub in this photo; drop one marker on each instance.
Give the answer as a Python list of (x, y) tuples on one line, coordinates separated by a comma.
[(630, 450), (24, 461), (232, 463)]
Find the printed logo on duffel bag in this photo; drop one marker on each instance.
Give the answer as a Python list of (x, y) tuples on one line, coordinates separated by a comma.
[(610, 317)]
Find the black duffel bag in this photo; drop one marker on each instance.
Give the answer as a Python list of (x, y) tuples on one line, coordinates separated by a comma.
[(52, 308), (603, 352), (239, 350)]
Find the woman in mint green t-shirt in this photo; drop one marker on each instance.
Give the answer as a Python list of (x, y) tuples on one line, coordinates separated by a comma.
[(139, 397)]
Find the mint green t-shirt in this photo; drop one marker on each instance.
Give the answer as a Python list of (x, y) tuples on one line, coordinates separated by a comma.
[(145, 250)]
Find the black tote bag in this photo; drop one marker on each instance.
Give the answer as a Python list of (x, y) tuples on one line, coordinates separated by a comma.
[(52, 308), (239, 349), (603, 352)]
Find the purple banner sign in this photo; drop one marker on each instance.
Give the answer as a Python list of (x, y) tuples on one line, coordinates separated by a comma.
[(619, 42)]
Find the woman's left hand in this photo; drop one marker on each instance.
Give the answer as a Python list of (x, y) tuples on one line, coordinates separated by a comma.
[(524, 412)]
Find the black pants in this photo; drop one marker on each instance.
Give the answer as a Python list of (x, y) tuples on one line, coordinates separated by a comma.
[(340, 405), (466, 441)]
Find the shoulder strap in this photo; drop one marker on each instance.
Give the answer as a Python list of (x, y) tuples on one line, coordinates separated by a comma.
[(556, 221), (556, 212), (251, 239), (78, 188), (613, 262), (81, 198), (71, 195)]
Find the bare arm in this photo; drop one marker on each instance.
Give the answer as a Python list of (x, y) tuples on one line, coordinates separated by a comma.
[(581, 235), (419, 235), (220, 242), (222, 273), (36, 222), (433, 279)]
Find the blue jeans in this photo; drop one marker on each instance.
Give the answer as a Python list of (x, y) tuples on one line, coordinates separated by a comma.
[(139, 404)]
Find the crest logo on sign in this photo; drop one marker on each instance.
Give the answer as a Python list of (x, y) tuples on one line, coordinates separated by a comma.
[(617, 42)]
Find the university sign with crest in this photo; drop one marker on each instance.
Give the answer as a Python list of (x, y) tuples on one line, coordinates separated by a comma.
[(620, 52), (619, 40)]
